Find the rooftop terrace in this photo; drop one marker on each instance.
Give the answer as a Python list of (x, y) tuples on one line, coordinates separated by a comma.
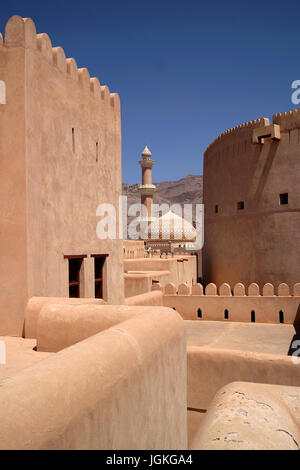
[(251, 337)]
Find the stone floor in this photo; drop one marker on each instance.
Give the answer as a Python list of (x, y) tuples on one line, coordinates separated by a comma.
[(20, 353), (254, 337)]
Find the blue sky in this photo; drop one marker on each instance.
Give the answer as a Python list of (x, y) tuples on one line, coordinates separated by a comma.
[(185, 70)]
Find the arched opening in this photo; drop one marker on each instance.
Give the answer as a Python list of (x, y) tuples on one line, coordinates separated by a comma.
[(226, 314), (281, 317), (253, 316), (199, 313)]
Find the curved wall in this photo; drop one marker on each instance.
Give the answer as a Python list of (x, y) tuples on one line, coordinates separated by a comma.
[(261, 242)]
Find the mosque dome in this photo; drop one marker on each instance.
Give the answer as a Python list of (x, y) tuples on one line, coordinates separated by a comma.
[(171, 226)]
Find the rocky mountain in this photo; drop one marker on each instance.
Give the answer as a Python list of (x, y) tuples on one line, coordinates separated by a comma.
[(187, 190)]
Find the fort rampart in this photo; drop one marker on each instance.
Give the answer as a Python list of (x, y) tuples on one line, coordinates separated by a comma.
[(238, 304), (252, 203), (60, 157)]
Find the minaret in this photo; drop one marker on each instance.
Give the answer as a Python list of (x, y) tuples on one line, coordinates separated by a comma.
[(147, 189)]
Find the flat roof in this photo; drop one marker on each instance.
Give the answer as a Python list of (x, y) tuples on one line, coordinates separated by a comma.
[(20, 354), (251, 337)]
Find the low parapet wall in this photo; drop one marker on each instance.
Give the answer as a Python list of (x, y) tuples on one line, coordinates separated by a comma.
[(150, 298), (124, 388), (136, 283), (61, 325), (235, 305), (35, 305), (133, 249), (210, 369), (246, 416)]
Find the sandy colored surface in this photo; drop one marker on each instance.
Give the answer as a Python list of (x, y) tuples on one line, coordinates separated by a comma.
[(251, 416), (270, 304), (124, 388), (194, 420), (260, 243), (19, 354), (60, 158), (252, 337)]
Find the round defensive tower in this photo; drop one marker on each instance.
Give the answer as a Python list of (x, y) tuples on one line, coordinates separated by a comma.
[(252, 203)]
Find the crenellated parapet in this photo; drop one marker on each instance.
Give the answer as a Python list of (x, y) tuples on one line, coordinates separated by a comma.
[(241, 132), (21, 32), (266, 305), (239, 290), (251, 198), (288, 120)]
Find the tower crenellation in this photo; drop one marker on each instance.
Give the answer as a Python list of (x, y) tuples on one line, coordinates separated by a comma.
[(252, 199), (21, 32)]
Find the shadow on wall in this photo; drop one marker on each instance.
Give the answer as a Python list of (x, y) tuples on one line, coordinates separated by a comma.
[(295, 343), (265, 173)]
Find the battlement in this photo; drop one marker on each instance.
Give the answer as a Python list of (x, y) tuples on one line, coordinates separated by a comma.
[(240, 129), (288, 120), (237, 304), (225, 290), (21, 32)]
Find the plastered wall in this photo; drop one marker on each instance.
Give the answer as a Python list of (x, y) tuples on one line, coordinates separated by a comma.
[(177, 270), (260, 243), (133, 249), (124, 388), (60, 154), (247, 416), (210, 369), (265, 305)]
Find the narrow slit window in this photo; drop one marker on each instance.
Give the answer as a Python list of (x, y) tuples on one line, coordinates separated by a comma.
[(199, 313), (216, 209), (253, 316), (240, 206), (97, 151), (284, 198), (281, 317), (2, 92), (73, 139), (226, 314)]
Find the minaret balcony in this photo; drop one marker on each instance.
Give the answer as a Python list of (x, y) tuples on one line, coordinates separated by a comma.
[(147, 189), (146, 163)]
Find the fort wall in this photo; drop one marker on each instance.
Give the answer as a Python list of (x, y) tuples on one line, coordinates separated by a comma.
[(124, 388), (273, 421), (155, 298), (62, 325), (35, 305), (60, 154), (133, 249), (177, 269), (237, 305), (249, 235)]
